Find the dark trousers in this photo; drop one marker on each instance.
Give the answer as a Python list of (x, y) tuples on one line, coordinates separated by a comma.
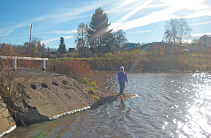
[(122, 85)]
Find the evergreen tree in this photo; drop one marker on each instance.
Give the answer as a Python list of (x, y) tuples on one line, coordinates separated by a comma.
[(62, 47), (100, 38)]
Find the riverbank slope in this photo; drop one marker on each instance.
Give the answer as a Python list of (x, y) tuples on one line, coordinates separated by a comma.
[(47, 96)]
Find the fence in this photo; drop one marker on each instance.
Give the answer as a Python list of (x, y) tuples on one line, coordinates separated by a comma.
[(15, 58)]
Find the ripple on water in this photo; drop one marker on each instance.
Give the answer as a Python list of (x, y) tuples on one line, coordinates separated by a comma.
[(168, 105)]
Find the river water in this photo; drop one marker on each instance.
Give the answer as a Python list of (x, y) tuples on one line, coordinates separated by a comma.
[(168, 105)]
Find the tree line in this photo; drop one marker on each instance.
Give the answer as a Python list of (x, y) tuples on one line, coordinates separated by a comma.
[(36, 49), (96, 38)]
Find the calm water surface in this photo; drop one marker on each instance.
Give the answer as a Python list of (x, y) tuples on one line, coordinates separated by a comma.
[(168, 105)]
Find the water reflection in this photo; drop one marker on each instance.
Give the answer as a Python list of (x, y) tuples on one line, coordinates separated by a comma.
[(198, 123)]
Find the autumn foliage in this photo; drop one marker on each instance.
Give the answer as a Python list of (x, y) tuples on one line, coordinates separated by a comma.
[(77, 69)]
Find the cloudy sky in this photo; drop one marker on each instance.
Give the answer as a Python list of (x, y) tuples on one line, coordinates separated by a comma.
[(142, 20)]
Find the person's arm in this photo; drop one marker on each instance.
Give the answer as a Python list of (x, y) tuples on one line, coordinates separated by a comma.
[(118, 78)]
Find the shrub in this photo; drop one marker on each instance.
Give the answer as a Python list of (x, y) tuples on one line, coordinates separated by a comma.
[(77, 69), (95, 97), (93, 83), (91, 90), (10, 91), (84, 80)]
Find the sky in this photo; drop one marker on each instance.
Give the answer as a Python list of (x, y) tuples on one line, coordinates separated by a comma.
[(143, 21)]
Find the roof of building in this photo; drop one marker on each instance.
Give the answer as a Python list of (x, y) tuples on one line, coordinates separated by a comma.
[(207, 35), (130, 45), (71, 49)]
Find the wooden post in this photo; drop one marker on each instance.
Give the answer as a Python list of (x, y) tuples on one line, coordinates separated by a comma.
[(14, 63), (44, 65)]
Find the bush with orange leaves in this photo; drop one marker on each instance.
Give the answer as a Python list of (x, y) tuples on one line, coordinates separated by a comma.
[(8, 86), (77, 69)]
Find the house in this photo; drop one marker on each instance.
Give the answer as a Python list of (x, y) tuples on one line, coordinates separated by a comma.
[(129, 45), (205, 41), (115, 48), (192, 47), (152, 44), (72, 50), (145, 46)]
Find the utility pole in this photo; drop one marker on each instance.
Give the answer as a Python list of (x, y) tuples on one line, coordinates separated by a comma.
[(29, 44)]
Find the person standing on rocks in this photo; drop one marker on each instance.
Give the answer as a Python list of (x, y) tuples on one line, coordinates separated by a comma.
[(122, 78)]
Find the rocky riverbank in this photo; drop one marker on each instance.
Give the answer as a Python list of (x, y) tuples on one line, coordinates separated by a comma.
[(6, 121), (47, 96)]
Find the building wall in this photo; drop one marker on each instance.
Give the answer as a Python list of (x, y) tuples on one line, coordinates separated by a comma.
[(205, 41)]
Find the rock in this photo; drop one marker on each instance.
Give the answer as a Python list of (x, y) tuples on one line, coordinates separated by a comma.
[(95, 105), (6, 121), (47, 96)]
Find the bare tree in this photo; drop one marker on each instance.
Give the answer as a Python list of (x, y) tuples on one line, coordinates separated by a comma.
[(120, 38), (82, 39), (176, 30), (184, 30)]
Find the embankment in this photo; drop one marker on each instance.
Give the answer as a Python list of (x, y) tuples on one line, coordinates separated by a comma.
[(7, 123), (47, 96)]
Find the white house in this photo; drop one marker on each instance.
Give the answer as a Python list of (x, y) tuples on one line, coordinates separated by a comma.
[(205, 41)]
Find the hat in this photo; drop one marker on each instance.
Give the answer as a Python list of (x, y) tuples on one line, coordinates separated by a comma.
[(122, 68)]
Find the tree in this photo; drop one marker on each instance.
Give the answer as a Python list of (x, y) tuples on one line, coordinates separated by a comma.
[(120, 38), (82, 39), (176, 30), (62, 47), (37, 49), (33, 47), (195, 41), (43, 50), (184, 30), (6, 49), (10, 51), (100, 38)]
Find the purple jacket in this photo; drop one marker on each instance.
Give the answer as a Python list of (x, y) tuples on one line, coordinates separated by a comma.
[(122, 77)]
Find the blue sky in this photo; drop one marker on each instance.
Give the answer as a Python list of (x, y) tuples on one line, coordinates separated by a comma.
[(142, 20)]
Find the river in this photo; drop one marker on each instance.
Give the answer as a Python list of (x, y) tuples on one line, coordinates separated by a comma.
[(168, 105)]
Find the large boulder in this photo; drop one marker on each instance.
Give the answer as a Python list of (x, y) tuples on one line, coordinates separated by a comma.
[(47, 96)]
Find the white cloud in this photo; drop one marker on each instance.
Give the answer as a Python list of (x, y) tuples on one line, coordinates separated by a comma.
[(202, 23), (61, 32), (195, 5), (199, 14), (63, 15), (200, 34), (169, 10), (8, 30), (137, 32), (56, 39), (146, 20), (138, 6)]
